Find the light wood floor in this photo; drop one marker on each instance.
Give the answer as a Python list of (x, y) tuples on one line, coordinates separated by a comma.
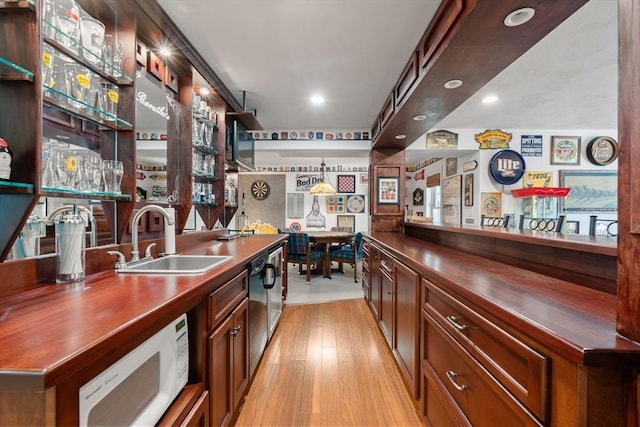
[(328, 365)]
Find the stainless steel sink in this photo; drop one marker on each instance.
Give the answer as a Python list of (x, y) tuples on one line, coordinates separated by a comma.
[(177, 264)]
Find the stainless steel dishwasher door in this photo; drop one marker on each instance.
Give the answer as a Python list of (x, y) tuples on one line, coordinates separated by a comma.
[(273, 283), (258, 332)]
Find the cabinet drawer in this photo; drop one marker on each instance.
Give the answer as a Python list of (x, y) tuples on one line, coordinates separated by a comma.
[(456, 373), (225, 298), (518, 367)]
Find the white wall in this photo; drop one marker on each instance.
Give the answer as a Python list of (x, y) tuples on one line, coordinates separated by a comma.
[(483, 183)]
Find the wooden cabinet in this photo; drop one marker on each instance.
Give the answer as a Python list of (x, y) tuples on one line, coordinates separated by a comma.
[(228, 350), (366, 272), (394, 299), (406, 309)]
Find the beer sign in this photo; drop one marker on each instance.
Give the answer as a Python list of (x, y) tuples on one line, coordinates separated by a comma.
[(507, 167)]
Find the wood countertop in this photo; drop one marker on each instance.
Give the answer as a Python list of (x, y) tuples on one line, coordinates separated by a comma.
[(577, 322), (51, 332)]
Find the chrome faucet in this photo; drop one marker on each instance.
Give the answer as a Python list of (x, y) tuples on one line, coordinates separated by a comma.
[(169, 230), (94, 230)]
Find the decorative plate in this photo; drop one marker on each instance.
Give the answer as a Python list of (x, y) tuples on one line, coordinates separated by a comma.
[(260, 190), (602, 150), (355, 204)]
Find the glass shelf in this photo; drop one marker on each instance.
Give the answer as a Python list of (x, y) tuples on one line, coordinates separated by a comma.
[(205, 203), (101, 195), (16, 187), (93, 114), (11, 71), (202, 174), (99, 66), (206, 149)]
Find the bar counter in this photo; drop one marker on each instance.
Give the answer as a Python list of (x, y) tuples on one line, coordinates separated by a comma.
[(51, 332), (576, 321)]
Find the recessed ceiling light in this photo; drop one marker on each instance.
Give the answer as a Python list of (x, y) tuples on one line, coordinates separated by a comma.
[(204, 91), (164, 51), (419, 117), (519, 17), (317, 99), (401, 136), (489, 99), (452, 84)]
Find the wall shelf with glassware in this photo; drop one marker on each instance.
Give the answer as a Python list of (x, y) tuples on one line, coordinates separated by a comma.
[(84, 110), (79, 194)]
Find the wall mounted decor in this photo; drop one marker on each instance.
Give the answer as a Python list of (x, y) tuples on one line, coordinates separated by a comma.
[(531, 145), (452, 166), (565, 150), (346, 221), (493, 138), (591, 190), (491, 205), (346, 184), (468, 189), (418, 197), (388, 190), (602, 150), (442, 139), (355, 203), (336, 204), (507, 167)]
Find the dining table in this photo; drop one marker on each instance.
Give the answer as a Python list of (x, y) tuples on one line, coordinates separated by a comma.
[(327, 239)]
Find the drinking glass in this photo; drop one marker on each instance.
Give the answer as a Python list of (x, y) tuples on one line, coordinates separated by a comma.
[(92, 37), (67, 19), (112, 172), (67, 169), (108, 100), (78, 80), (49, 159), (113, 54), (92, 173)]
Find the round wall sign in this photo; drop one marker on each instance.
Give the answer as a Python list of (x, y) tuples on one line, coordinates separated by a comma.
[(260, 190), (507, 167), (602, 150)]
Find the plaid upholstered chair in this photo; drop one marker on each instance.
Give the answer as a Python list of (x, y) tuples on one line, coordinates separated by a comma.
[(349, 253), (301, 251)]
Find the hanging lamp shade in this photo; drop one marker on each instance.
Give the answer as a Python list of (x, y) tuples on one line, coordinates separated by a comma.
[(323, 187)]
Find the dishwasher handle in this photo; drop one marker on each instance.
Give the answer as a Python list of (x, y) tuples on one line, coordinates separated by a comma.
[(269, 277)]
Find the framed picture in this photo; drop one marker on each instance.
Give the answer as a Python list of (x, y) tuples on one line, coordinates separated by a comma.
[(468, 189), (565, 150), (346, 183), (388, 191), (591, 190), (336, 204), (491, 205), (572, 227), (346, 221), (452, 166)]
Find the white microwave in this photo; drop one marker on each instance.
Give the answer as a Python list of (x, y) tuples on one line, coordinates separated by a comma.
[(138, 388)]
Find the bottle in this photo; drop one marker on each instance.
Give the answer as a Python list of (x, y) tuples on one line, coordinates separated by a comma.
[(5, 160)]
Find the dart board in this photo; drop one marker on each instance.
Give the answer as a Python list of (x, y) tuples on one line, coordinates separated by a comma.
[(260, 190)]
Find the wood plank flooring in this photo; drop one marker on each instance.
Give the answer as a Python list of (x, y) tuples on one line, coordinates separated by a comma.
[(328, 365)]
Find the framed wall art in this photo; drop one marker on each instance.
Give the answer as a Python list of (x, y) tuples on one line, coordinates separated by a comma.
[(591, 190), (336, 204), (346, 221), (491, 205), (565, 150), (468, 189), (388, 191), (346, 183)]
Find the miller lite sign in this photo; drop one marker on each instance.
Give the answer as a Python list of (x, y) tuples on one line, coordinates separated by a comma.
[(507, 167)]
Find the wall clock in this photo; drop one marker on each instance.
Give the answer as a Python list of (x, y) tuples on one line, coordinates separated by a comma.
[(602, 150), (260, 190)]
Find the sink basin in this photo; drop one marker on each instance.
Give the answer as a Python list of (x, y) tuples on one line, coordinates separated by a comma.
[(177, 264)]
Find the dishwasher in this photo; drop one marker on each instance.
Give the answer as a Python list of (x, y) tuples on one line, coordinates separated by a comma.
[(265, 302), (258, 332)]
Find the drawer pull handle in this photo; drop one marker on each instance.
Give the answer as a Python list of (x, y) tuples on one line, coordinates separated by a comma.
[(451, 376), (454, 321), (234, 331)]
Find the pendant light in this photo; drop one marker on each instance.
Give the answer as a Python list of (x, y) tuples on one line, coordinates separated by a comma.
[(323, 187)]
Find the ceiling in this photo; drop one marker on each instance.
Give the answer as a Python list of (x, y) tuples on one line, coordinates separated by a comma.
[(282, 51)]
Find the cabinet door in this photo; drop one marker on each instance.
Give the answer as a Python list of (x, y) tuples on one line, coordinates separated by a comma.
[(220, 357), (406, 321), (374, 283), (386, 307), (199, 414), (240, 351)]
